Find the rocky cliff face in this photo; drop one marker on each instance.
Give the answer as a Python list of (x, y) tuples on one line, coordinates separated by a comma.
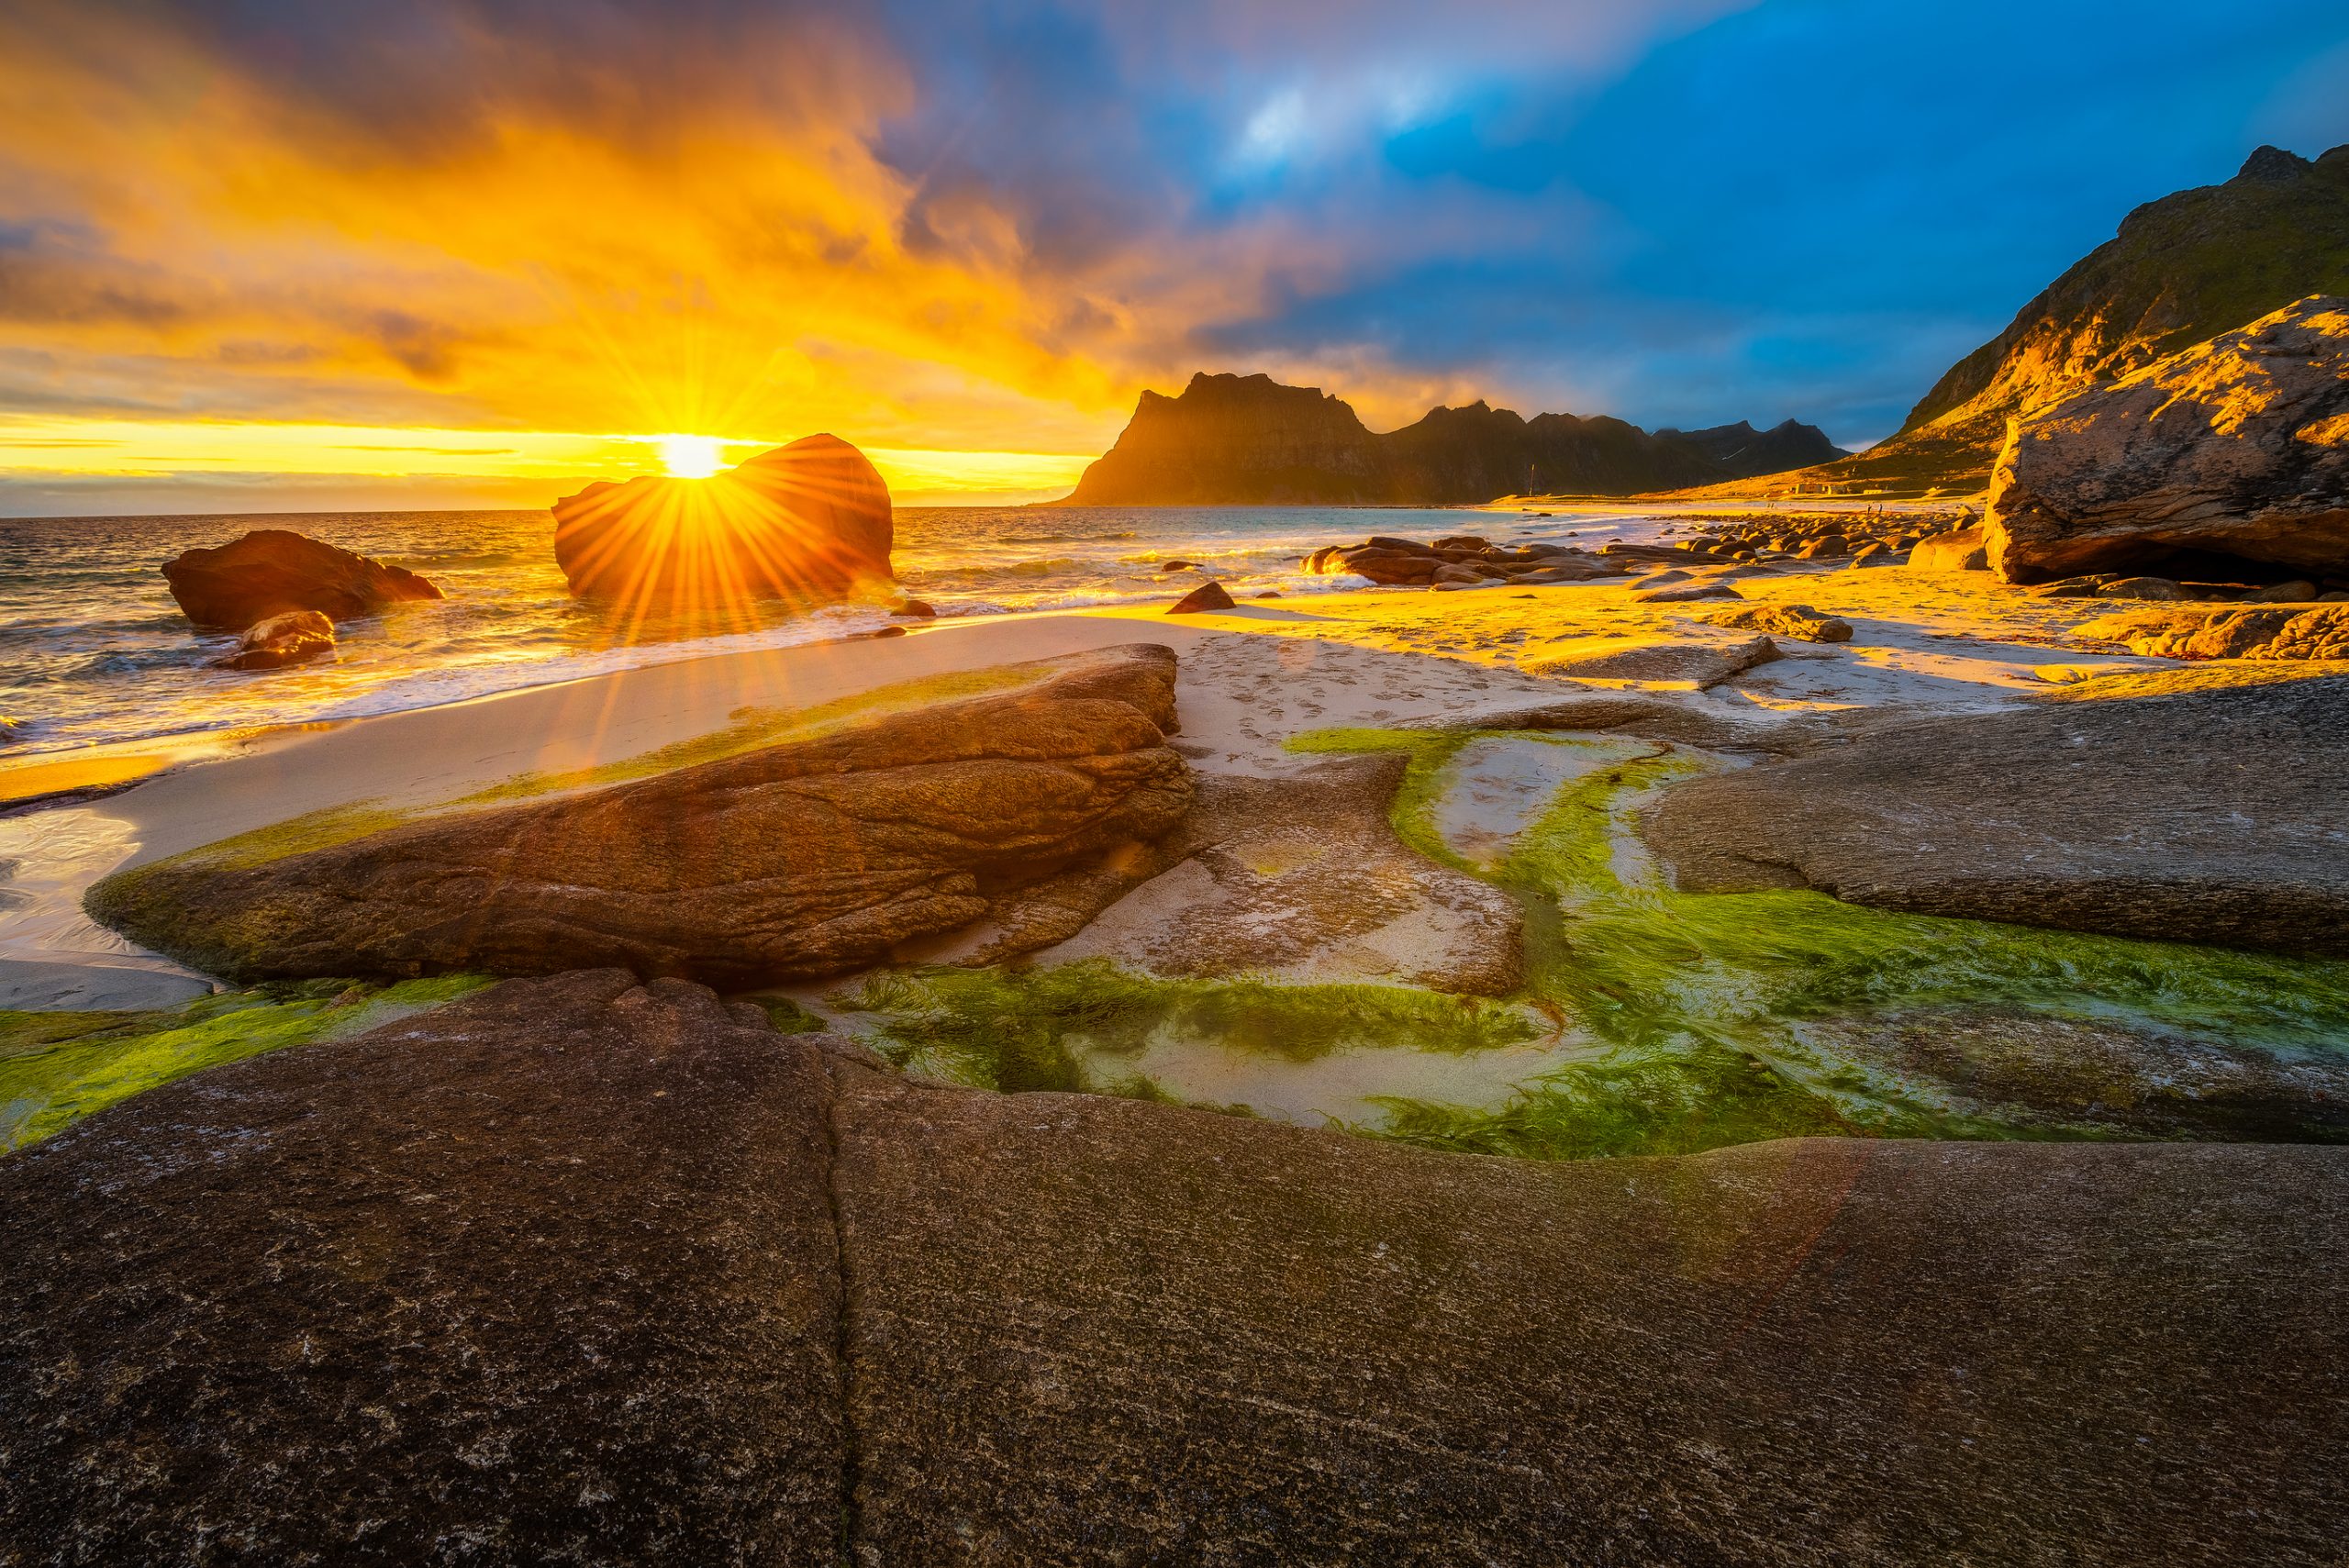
[(1231, 439), (2181, 269)]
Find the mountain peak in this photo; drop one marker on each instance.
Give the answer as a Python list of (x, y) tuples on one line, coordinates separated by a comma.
[(2271, 164)]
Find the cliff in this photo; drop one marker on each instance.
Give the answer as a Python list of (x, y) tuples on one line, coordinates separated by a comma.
[(2181, 269), (1231, 439)]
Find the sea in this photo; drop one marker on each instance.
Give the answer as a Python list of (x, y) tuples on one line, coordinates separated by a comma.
[(94, 651)]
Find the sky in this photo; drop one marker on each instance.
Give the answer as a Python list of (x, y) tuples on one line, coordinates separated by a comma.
[(308, 255)]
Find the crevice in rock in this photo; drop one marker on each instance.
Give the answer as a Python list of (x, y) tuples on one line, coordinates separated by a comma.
[(844, 1321)]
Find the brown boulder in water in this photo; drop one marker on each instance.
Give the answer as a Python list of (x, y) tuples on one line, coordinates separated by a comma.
[(271, 571), (809, 522), (2238, 446), (290, 638), (801, 858), (1207, 596)]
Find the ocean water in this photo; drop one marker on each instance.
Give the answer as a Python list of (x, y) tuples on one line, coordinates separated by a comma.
[(93, 649)]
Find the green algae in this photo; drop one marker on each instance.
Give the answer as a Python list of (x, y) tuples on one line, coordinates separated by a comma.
[(1075, 1027), (1680, 1021), (56, 1068)]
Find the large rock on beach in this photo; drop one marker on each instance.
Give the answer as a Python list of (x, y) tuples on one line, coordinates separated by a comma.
[(1961, 550), (808, 523), (574, 1270), (1799, 622), (799, 857), (275, 571), (2204, 817), (2238, 446), (1676, 661)]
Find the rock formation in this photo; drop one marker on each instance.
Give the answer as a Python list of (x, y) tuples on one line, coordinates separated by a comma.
[(1232, 439), (272, 572), (1961, 550), (577, 1270), (2183, 268), (808, 523), (2237, 447), (803, 857), (2305, 632), (291, 639), (2203, 816), (1797, 621)]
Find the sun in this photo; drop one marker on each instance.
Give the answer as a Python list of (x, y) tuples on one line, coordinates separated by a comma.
[(691, 457)]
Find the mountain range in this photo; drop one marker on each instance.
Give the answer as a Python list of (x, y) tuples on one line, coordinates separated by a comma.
[(1250, 440)]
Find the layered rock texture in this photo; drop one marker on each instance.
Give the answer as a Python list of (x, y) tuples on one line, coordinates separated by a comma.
[(2181, 269), (2205, 816), (2236, 447), (273, 572), (1250, 440), (295, 638), (2283, 631), (801, 858), (809, 523), (574, 1270)]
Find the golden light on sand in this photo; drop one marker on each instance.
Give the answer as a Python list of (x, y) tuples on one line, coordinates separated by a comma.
[(691, 457)]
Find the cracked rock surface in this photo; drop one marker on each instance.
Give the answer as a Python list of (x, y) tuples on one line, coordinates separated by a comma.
[(581, 1271)]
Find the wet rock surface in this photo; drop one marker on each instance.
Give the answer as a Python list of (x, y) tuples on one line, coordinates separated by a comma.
[(809, 522), (272, 572), (802, 858), (1300, 878), (578, 1271), (548, 1274), (2239, 445), (293, 638), (2210, 816)]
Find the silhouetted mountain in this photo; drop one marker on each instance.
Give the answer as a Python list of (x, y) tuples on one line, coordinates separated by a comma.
[(2181, 270), (1231, 439)]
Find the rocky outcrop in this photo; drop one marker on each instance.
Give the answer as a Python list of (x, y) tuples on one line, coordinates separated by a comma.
[(808, 523), (802, 858), (550, 1272), (2303, 632), (2205, 816), (577, 1270), (1251, 441), (2238, 447), (1204, 599), (272, 572), (293, 637), (1464, 559), (2181, 269)]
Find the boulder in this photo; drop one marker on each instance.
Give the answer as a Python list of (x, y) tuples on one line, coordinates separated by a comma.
[(808, 523), (1797, 621), (578, 1271), (801, 858), (272, 572), (289, 639), (2239, 445), (1703, 663), (2202, 817), (1208, 597), (1684, 593), (1963, 550), (2155, 588)]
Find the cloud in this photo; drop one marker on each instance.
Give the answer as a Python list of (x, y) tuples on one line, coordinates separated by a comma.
[(984, 227)]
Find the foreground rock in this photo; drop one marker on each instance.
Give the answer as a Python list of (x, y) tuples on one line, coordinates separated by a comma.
[(2238, 446), (573, 1270), (293, 638), (809, 523), (272, 572), (803, 857), (2206, 817), (1799, 622), (547, 1275), (1961, 550), (2302, 632)]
